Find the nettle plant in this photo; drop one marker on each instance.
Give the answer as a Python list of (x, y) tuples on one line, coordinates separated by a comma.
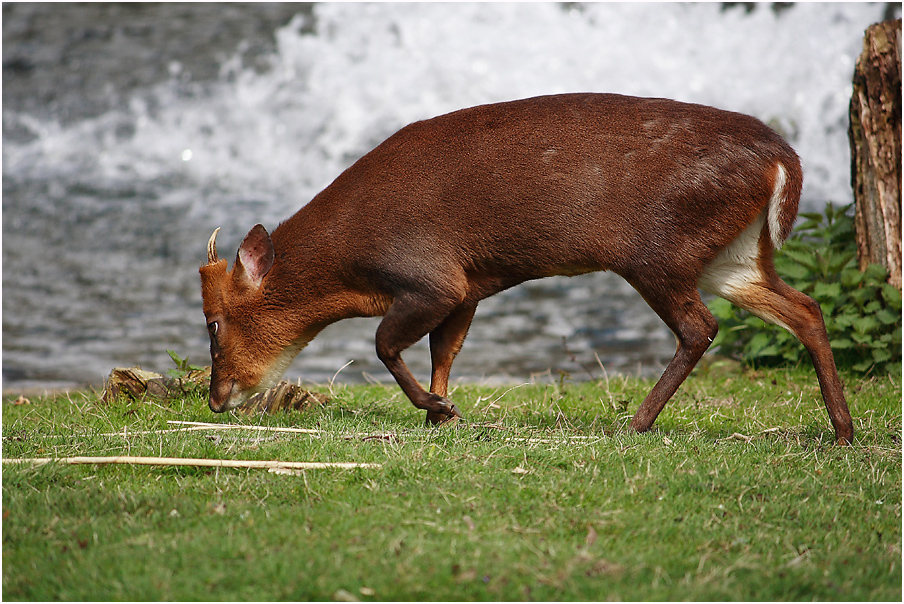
[(862, 311)]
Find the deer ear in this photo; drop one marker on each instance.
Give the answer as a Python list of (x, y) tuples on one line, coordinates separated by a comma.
[(255, 256)]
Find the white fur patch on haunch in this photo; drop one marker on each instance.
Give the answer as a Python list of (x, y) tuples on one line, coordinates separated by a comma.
[(735, 269), (735, 273), (776, 202)]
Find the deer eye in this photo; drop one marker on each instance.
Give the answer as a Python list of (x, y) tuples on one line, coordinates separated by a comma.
[(213, 327)]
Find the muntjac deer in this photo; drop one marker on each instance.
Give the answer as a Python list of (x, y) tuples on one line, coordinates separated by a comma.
[(448, 211)]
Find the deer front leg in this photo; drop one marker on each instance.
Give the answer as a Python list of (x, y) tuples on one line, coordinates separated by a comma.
[(408, 319)]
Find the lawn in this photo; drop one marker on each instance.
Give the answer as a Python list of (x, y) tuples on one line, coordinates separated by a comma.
[(738, 493)]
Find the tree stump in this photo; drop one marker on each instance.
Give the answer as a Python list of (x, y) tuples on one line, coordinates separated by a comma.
[(875, 137)]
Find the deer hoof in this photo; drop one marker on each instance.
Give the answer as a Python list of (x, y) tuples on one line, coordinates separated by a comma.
[(438, 418)]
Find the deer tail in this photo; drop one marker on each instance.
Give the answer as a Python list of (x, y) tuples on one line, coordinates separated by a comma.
[(782, 210)]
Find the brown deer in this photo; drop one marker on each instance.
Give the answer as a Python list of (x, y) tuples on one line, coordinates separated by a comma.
[(448, 211)]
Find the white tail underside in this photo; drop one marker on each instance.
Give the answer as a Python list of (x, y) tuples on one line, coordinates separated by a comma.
[(775, 206)]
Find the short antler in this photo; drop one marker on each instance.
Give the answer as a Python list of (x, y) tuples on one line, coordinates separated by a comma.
[(212, 248)]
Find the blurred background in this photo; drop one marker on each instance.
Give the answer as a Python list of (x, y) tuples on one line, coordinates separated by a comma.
[(131, 131)]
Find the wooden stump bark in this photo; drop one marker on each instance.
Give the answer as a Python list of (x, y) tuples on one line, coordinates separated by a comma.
[(875, 137)]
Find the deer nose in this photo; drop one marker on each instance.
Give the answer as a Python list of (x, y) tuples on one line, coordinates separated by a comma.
[(220, 393)]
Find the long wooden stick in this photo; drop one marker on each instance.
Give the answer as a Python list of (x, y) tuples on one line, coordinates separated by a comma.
[(207, 463), (192, 427)]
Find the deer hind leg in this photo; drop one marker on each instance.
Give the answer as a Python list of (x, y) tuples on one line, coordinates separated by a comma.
[(747, 279), (445, 342)]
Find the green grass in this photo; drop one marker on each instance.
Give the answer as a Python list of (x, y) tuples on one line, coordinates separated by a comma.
[(738, 493)]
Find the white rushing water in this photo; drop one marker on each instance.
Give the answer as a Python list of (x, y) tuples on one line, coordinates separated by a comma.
[(252, 146)]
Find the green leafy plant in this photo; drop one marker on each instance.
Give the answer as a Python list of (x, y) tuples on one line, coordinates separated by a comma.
[(183, 368), (862, 311)]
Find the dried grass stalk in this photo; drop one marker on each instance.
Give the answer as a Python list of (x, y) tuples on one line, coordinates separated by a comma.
[(207, 426)]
